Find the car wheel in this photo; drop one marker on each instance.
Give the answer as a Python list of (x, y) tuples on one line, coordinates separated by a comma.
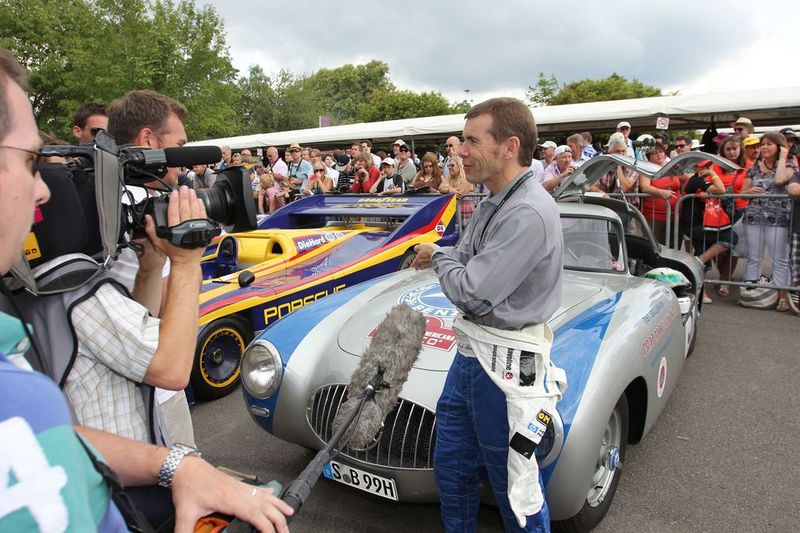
[(218, 357), (606, 475), (407, 259)]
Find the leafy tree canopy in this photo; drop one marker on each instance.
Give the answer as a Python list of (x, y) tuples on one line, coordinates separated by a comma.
[(548, 91)]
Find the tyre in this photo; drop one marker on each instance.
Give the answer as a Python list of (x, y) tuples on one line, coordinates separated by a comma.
[(407, 259), (606, 475), (692, 342), (218, 357)]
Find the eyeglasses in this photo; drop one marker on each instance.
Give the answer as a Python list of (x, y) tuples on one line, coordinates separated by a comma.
[(95, 131), (680, 146), (738, 129), (404, 149), (319, 170), (34, 163)]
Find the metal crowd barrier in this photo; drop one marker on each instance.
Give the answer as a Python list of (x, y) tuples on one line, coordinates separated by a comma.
[(673, 227)]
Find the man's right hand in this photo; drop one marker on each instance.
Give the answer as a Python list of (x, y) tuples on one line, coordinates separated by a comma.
[(183, 205)]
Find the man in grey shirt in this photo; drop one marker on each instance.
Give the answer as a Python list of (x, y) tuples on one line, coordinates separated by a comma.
[(505, 273)]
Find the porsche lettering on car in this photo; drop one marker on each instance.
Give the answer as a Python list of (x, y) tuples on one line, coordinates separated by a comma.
[(626, 323), (304, 252)]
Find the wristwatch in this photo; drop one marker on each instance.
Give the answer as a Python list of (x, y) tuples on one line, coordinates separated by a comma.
[(174, 457)]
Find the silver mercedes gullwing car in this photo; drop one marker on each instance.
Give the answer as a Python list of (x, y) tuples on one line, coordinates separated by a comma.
[(621, 337)]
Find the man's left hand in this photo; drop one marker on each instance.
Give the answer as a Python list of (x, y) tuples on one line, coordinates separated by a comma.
[(424, 252)]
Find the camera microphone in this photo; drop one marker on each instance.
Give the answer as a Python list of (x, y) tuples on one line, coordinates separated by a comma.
[(394, 348), (385, 364), (182, 156)]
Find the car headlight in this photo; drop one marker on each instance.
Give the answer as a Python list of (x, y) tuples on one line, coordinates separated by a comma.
[(262, 369)]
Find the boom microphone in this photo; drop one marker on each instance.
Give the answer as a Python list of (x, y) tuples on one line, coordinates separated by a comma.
[(394, 348), (385, 364), (182, 156)]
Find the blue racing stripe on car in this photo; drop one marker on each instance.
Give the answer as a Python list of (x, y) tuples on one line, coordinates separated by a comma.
[(287, 334), (575, 348)]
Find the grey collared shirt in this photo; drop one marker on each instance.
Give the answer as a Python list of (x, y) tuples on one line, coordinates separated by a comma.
[(512, 278)]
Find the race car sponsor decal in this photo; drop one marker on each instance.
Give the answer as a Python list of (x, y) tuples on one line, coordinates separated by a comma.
[(668, 293), (538, 426), (662, 377), (658, 331), (440, 228), (383, 200), (437, 335), (279, 311), (653, 312), (312, 241), (438, 312)]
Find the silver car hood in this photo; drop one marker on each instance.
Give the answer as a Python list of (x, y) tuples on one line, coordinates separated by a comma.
[(423, 293)]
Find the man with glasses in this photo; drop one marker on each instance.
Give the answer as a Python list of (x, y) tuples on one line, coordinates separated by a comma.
[(405, 166), (451, 147), (89, 119), (743, 127), (59, 483), (299, 168), (683, 144)]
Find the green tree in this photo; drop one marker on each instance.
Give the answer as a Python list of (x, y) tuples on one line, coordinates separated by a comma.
[(96, 50), (390, 104), (615, 87), (339, 91)]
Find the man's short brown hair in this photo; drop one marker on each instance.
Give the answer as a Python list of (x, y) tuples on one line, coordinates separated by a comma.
[(10, 71), (510, 118), (137, 110), (87, 110)]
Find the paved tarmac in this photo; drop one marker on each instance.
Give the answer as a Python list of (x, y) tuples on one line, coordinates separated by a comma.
[(722, 456)]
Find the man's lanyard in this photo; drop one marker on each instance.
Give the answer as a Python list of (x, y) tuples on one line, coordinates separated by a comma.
[(511, 191)]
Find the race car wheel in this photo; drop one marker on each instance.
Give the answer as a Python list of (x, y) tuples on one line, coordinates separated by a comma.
[(605, 479), (218, 357), (407, 259)]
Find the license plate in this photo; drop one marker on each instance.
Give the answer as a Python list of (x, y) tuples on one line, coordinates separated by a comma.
[(354, 477)]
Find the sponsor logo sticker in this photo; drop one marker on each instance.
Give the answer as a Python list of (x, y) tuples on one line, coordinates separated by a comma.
[(662, 377), (438, 312)]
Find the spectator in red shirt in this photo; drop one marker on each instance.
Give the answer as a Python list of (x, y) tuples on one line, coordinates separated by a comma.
[(366, 173), (732, 149)]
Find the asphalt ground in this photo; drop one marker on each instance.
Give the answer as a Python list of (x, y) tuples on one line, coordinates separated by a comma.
[(722, 456)]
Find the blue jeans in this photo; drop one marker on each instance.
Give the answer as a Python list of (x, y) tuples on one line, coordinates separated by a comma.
[(472, 433)]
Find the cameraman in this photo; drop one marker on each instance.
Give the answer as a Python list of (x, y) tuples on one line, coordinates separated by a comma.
[(60, 484), (122, 345)]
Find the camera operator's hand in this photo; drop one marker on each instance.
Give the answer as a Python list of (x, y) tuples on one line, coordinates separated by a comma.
[(199, 489), (183, 205)]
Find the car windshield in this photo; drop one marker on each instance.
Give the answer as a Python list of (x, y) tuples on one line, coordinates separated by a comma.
[(592, 244)]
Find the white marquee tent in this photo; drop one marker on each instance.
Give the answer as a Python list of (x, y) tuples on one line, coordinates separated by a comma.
[(765, 107)]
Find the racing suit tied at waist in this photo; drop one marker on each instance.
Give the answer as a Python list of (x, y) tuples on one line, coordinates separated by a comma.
[(518, 362)]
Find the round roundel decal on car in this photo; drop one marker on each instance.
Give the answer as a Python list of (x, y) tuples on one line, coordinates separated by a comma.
[(662, 377), (440, 228), (429, 300), (438, 312)]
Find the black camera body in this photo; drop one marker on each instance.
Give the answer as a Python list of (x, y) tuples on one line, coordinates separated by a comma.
[(105, 189)]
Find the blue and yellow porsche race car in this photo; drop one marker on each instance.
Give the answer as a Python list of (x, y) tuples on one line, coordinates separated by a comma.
[(303, 252)]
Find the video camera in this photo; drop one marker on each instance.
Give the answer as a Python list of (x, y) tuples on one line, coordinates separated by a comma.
[(104, 192)]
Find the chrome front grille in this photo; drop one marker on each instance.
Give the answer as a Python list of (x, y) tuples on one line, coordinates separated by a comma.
[(408, 435)]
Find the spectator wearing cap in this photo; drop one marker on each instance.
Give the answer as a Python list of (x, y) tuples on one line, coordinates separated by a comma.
[(559, 169), (624, 128), (389, 182), (396, 148), (451, 148), (751, 144), (791, 139), (405, 166), (588, 150), (575, 143), (299, 168), (743, 127), (548, 153)]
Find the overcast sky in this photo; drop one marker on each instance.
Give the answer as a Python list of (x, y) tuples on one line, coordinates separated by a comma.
[(499, 47)]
